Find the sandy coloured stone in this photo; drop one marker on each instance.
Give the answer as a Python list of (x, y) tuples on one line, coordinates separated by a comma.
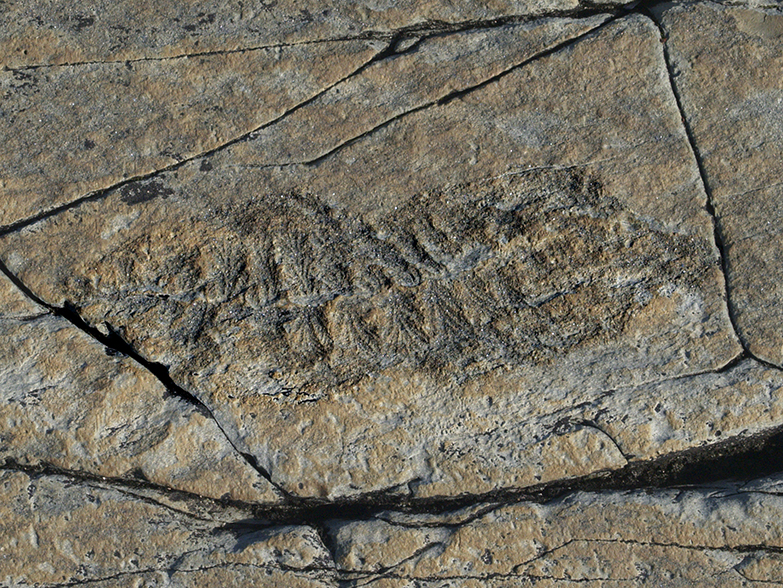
[(422, 74), (652, 420), (14, 304), (410, 256), (718, 536), (409, 313), (65, 402), (75, 129), (39, 32), (729, 73), (55, 530)]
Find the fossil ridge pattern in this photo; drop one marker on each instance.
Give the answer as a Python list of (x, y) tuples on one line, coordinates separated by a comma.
[(390, 295)]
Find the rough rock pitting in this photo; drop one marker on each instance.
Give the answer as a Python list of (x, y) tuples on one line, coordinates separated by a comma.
[(390, 295)]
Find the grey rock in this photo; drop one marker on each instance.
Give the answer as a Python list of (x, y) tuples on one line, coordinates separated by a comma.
[(357, 328), (36, 32), (55, 531), (90, 125), (66, 403), (718, 536)]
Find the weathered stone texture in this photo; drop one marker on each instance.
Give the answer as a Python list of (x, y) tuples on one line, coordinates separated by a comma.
[(729, 72), (54, 531), (89, 126), (374, 333), (57, 532), (284, 286), (41, 32), (722, 536), (65, 402)]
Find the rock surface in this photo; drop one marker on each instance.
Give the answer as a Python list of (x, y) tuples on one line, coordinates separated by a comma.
[(729, 63), (66, 402), (36, 32), (721, 536), (390, 295), (153, 114), (58, 532), (315, 324)]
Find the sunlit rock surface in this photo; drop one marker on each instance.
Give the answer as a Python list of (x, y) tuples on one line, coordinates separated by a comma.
[(390, 295)]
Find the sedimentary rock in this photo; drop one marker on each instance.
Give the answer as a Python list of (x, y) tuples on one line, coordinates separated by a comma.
[(55, 531), (68, 402), (414, 330), (153, 114), (729, 72), (390, 295), (38, 33), (720, 536)]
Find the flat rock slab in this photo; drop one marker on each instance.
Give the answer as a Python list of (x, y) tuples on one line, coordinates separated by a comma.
[(88, 126), (409, 309), (729, 63), (267, 272), (35, 32)]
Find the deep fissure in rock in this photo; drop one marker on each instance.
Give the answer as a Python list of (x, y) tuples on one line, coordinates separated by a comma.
[(741, 458)]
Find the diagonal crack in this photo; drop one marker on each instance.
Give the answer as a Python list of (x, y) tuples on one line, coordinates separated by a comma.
[(456, 94), (114, 342), (394, 42), (104, 192), (743, 457), (197, 54), (748, 456)]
